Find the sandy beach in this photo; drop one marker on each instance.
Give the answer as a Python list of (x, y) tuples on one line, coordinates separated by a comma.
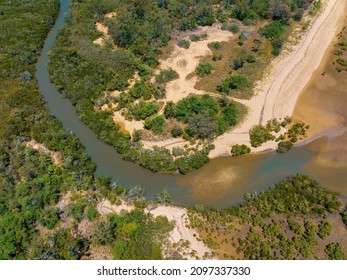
[(287, 76)]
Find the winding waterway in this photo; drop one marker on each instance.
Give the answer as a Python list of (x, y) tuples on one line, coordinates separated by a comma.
[(223, 181)]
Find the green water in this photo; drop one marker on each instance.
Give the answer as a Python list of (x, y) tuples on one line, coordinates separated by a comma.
[(221, 183)]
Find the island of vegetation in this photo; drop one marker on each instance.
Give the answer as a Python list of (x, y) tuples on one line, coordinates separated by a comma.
[(170, 84)]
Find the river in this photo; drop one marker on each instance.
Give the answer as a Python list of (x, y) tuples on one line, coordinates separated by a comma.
[(221, 182)]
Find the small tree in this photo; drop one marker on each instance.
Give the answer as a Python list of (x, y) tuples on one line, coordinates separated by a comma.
[(164, 197), (204, 69), (239, 150)]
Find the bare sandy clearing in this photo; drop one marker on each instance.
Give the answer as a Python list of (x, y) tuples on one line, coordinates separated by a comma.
[(181, 231), (130, 126), (169, 143), (56, 157), (102, 28), (101, 40), (277, 93), (105, 207), (184, 61), (110, 15)]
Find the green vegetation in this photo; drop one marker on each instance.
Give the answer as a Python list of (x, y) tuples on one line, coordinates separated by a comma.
[(143, 110), (234, 83), (204, 116), (335, 251), (215, 46), (344, 217), (183, 44), (341, 52), (324, 229), (156, 124), (284, 146), (137, 37), (176, 131), (286, 222), (204, 69), (274, 32), (260, 134), (34, 222), (166, 76), (196, 38), (239, 150)]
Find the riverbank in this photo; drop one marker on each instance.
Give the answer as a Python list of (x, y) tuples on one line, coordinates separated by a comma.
[(277, 93), (180, 233)]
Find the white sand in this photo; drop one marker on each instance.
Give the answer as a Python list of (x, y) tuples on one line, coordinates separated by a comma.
[(181, 231), (277, 94), (56, 157)]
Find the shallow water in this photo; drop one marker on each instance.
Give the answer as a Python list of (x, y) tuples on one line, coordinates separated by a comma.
[(223, 181)]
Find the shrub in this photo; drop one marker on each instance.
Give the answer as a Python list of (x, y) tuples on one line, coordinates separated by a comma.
[(142, 89), (202, 126), (143, 110), (166, 76), (238, 63), (176, 131), (284, 146), (335, 251), (273, 31), (50, 218), (259, 135), (169, 110), (195, 38), (183, 44), (204, 69), (156, 124), (344, 217), (239, 150), (237, 82), (215, 45), (324, 229)]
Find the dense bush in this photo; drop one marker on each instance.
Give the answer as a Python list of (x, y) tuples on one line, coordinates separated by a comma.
[(166, 76), (156, 124), (204, 69), (204, 116), (143, 110), (239, 150), (176, 131), (259, 134), (335, 251), (284, 146), (183, 44), (234, 82), (274, 32)]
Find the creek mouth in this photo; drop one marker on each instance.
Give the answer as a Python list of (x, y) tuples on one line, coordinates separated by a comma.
[(221, 183)]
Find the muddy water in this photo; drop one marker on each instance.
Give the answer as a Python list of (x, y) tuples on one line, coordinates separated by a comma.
[(224, 181), (322, 105)]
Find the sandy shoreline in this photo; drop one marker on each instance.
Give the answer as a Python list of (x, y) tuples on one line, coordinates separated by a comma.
[(276, 94), (180, 232), (288, 75)]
